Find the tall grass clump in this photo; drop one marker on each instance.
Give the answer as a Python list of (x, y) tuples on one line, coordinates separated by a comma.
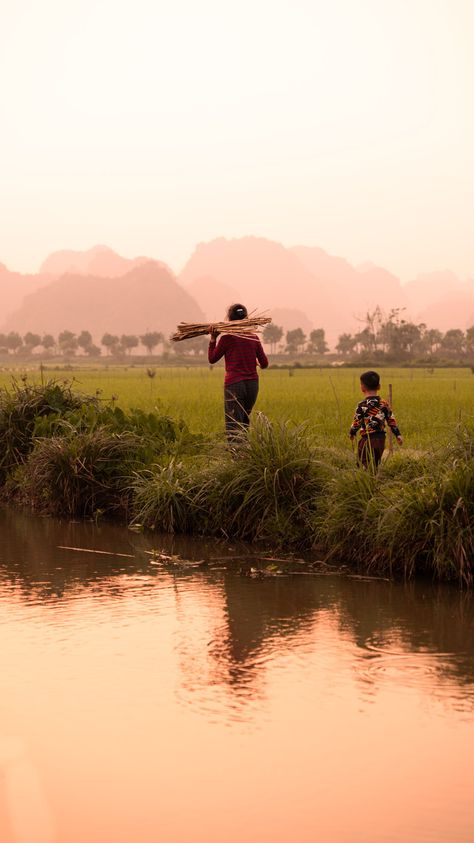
[(158, 434), (267, 488), (429, 526), (405, 465), (274, 486), (21, 406), (89, 416), (344, 522), (69, 454), (412, 517), (164, 497), (84, 474)]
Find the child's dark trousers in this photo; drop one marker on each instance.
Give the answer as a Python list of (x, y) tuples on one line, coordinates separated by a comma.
[(370, 450)]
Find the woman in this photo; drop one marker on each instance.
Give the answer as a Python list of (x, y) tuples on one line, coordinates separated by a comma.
[(241, 380)]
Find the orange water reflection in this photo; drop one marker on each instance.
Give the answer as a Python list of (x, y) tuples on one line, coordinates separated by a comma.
[(147, 705)]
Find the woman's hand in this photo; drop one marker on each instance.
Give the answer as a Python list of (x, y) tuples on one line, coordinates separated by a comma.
[(214, 334)]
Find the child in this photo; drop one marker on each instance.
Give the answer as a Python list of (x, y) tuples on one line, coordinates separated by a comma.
[(370, 417)]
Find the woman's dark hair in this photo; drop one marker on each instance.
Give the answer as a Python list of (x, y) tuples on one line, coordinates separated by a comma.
[(236, 311), (371, 380)]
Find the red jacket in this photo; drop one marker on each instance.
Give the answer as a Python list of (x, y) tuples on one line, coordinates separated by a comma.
[(241, 355)]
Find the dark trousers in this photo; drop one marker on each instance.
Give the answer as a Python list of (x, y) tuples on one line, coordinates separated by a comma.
[(370, 450), (239, 399)]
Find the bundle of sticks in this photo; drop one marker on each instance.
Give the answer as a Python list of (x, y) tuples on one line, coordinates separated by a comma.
[(239, 327)]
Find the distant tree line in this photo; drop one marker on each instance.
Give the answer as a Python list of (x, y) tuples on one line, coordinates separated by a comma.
[(381, 338), (393, 338), (68, 344), (295, 341)]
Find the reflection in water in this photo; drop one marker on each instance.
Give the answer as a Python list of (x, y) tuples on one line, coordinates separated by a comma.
[(28, 813), (155, 701)]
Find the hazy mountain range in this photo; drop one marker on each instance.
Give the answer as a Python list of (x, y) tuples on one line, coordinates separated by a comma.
[(100, 291)]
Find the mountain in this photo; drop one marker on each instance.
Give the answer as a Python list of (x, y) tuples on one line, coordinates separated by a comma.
[(303, 286), (267, 276), (430, 288), (145, 298), (99, 261), (455, 310), (14, 287), (212, 296), (263, 274), (441, 300), (355, 289), (289, 318)]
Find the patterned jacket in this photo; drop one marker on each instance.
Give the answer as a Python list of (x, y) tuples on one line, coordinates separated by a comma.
[(371, 415)]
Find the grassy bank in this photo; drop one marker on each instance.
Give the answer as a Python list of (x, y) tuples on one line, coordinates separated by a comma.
[(72, 455)]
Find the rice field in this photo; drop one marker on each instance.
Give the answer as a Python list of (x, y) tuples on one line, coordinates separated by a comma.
[(428, 404)]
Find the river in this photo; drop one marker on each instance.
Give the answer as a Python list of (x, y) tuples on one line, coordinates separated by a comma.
[(150, 700)]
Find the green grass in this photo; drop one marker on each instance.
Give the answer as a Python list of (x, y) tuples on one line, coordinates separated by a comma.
[(428, 406), (288, 483)]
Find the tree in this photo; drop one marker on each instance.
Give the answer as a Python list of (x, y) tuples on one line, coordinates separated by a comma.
[(48, 342), (128, 341), (469, 341), (93, 350), (13, 341), (318, 342), (84, 341), (196, 345), (365, 341), (399, 338), (433, 339), (367, 338), (387, 335), (111, 343), (272, 334), (67, 342), (31, 341), (346, 344), (453, 342), (295, 339), (151, 339), (409, 337)]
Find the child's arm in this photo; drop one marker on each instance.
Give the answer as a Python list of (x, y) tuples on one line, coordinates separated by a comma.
[(356, 422), (391, 421)]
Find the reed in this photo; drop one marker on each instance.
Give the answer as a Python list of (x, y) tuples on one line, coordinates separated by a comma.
[(239, 327)]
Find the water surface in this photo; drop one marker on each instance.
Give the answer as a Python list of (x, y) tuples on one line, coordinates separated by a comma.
[(144, 702)]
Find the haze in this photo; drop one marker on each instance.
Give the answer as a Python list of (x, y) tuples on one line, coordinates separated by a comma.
[(152, 126)]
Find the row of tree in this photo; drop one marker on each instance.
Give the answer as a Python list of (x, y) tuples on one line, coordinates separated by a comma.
[(67, 343), (296, 340), (394, 338), (381, 337)]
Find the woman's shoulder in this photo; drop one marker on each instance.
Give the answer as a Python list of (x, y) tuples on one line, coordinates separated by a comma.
[(239, 338)]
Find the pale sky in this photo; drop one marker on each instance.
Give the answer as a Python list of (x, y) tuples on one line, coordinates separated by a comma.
[(150, 126)]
